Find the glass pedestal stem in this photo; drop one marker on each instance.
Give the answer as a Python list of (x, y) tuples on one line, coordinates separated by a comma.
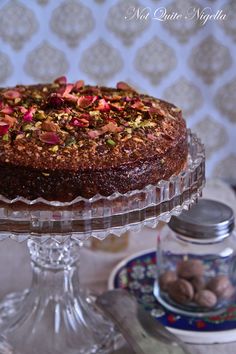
[(54, 316)]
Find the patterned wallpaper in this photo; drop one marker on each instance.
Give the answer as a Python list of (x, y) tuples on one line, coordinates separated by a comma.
[(190, 64)]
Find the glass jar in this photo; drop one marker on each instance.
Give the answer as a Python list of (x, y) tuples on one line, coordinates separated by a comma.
[(196, 260)]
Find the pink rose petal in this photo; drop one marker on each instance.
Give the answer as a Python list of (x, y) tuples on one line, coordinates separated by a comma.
[(79, 122), (49, 138), (71, 98), (111, 127), (22, 109), (124, 86), (116, 106), (11, 94), (157, 110), (11, 121), (28, 116), (7, 110), (64, 91), (3, 128), (55, 101), (62, 80), (93, 134), (86, 101), (78, 85), (137, 105), (103, 106)]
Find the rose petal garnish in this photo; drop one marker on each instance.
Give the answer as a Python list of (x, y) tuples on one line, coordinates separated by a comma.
[(55, 101), (11, 121), (79, 122), (22, 109), (111, 127), (64, 91), (93, 134), (71, 98), (86, 101), (28, 116), (103, 106), (11, 94), (124, 86), (137, 105), (62, 80), (49, 126), (157, 110), (3, 128), (116, 106), (49, 138), (78, 85), (7, 110)]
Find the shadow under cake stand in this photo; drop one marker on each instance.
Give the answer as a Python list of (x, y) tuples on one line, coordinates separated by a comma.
[(55, 316)]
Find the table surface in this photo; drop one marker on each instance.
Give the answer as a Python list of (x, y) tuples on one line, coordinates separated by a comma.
[(14, 257)]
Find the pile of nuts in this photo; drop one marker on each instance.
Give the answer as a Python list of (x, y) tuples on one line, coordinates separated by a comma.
[(188, 284)]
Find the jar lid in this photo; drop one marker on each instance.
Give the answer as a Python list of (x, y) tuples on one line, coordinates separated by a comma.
[(206, 219)]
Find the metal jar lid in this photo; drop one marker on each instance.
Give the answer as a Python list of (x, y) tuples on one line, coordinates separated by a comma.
[(206, 219)]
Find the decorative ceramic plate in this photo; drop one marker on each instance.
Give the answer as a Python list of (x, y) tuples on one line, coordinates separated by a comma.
[(137, 273)]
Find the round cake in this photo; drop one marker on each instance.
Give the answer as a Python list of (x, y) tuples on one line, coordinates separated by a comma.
[(59, 141)]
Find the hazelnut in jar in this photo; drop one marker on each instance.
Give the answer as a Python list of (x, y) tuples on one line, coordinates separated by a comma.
[(196, 260)]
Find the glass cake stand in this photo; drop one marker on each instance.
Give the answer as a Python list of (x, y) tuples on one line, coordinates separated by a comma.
[(55, 316)]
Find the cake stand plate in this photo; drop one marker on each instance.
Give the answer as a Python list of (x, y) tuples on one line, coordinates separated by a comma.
[(137, 274), (55, 315)]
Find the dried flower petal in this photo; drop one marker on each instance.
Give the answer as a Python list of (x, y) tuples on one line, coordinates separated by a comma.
[(93, 134), (103, 106), (64, 91), (49, 138), (11, 121), (138, 105), (71, 98), (62, 80), (49, 126), (7, 110), (22, 109), (124, 86), (3, 128), (28, 116), (79, 122), (86, 101), (156, 110), (11, 94), (78, 85), (116, 106), (111, 127), (55, 101)]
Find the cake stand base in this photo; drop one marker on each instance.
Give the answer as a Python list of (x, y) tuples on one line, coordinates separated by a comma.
[(54, 315)]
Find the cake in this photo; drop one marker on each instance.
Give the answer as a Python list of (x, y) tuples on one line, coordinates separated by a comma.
[(59, 141)]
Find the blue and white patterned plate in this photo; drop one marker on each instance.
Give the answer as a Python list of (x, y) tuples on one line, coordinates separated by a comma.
[(136, 274)]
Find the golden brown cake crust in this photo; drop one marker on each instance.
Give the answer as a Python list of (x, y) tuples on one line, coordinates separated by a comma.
[(60, 140)]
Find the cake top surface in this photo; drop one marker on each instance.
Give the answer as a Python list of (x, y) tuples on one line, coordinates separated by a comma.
[(77, 126)]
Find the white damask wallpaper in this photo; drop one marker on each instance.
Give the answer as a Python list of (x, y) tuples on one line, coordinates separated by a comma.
[(181, 60)]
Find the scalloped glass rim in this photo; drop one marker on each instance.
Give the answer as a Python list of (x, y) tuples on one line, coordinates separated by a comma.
[(191, 165)]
